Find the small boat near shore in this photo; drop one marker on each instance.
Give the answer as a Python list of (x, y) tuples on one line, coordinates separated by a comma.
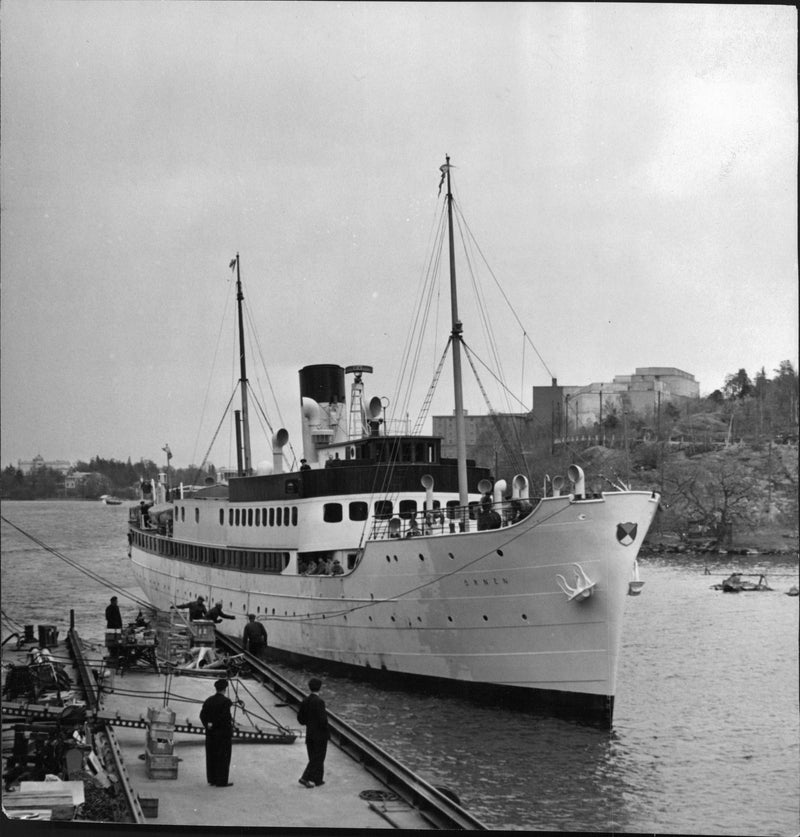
[(734, 583), (110, 500)]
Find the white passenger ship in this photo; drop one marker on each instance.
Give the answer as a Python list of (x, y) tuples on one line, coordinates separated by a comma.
[(531, 611)]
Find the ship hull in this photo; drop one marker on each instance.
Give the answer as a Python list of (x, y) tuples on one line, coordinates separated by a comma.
[(483, 613)]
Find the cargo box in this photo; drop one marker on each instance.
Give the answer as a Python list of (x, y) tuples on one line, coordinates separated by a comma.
[(160, 715)]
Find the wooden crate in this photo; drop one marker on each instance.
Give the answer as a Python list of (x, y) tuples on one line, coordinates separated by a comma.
[(161, 766), (149, 806), (160, 742), (161, 715)]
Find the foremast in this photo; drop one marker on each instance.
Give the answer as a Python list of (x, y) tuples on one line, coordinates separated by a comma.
[(243, 450), (455, 335)]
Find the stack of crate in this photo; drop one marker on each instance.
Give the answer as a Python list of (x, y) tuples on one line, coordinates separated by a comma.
[(173, 636), (159, 759), (202, 632)]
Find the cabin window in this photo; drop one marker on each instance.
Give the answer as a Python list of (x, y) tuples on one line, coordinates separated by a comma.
[(222, 517), (408, 508), (294, 515), (286, 515), (183, 514), (359, 511), (332, 513), (383, 509), (436, 505), (230, 517), (278, 517), (197, 515), (249, 517), (258, 517), (473, 510), (237, 516), (452, 509), (272, 517)]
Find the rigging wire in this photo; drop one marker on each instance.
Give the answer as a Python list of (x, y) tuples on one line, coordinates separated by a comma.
[(214, 437), (77, 566), (213, 364)]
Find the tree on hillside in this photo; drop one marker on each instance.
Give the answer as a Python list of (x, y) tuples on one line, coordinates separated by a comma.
[(738, 386), (717, 493), (786, 394)]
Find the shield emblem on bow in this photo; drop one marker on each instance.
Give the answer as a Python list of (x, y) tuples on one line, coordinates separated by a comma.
[(626, 533)]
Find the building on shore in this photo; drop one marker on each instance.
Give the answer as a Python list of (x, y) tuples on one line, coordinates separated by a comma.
[(572, 410), (28, 466), (561, 413)]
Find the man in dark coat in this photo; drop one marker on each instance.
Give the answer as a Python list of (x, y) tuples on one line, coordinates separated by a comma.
[(197, 608), (215, 716), (313, 716), (216, 615), (113, 616), (254, 637)]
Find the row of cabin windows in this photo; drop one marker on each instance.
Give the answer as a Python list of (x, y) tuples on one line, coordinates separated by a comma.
[(384, 509), (332, 513), (283, 516), (267, 561)]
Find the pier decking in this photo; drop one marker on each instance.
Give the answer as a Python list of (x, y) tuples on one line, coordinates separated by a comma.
[(364, 786)]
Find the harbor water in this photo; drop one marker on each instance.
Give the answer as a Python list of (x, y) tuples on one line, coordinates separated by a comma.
[(706, 736)]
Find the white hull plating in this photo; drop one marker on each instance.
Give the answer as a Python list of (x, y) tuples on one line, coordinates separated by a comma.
[(478, 607)]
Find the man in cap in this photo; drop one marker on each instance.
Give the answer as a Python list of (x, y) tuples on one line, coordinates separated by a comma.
[(215, 716), (197, 608), (216, 615), (314, 718), (254, 637)]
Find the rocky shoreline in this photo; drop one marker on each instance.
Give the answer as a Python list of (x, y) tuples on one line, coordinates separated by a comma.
[(776, 542)]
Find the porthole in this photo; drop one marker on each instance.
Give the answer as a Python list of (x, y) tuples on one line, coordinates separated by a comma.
[(500, 552), (449, 618), (485, 618), (451, 556), (395, 557), (525, 617), (393, 619), (389, 559), (421, 557)]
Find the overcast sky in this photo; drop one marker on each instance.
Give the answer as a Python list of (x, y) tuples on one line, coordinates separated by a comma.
[(629, 171)]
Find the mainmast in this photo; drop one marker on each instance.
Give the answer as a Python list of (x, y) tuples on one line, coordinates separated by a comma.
[(461, 438), (244, 469)]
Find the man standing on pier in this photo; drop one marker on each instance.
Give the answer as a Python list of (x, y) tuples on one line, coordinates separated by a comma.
[(215, 716), (313, 716), (254, 637), (113, 616)]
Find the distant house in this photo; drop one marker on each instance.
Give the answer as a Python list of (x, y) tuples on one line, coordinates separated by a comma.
[(74, 479), (38, 462)]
